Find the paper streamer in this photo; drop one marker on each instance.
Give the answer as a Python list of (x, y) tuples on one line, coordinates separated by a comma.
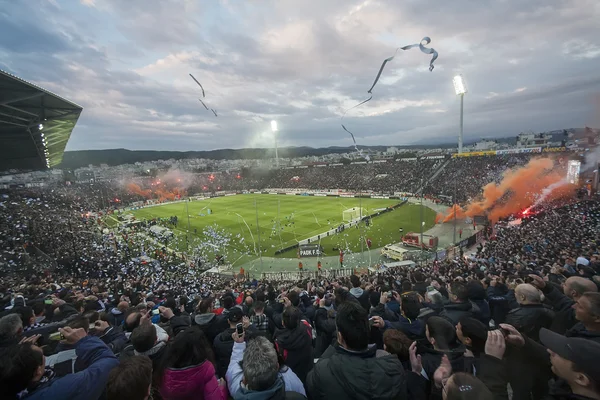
[(196, 80), (421, 45), (203, 95), (203, 104)]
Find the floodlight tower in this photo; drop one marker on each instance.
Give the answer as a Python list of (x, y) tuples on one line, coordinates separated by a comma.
[(274, 130), (460, 89)]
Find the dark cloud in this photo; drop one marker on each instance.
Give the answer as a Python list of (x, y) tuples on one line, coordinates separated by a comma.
[(528, 65)]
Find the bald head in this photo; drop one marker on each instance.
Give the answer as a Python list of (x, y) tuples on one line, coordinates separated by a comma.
[(575, 286), (123, 306), (527, 294)]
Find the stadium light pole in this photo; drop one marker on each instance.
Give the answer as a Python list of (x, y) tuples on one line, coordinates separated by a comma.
[(274, 130), (460, 89)]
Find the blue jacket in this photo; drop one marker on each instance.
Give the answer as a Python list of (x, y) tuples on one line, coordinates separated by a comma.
[(84, 385)]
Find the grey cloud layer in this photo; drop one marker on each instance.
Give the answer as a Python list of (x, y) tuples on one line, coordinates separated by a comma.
[(528, 65)]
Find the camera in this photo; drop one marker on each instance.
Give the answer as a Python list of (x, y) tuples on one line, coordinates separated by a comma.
[(239, 328)]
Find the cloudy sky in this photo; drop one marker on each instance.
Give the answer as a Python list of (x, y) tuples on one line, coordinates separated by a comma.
[(529, 65)]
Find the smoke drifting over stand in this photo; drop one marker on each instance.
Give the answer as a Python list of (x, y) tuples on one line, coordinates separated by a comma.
[(540, 180)]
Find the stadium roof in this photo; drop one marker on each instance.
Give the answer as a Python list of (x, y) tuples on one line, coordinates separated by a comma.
[(35, 125)]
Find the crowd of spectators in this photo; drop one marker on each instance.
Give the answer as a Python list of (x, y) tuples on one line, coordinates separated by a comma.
[(520, 317)]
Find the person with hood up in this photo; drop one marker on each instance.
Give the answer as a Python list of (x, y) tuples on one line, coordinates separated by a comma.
[(116, 315), (187, 370), (294, 342), (459, 305), (210, 323), (254, 372), (352, 370), (361, 295)]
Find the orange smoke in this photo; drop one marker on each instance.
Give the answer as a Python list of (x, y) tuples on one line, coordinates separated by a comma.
[(136, 189), (518, 190)]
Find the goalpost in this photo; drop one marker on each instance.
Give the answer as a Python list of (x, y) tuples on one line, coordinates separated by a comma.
[(353, 214)]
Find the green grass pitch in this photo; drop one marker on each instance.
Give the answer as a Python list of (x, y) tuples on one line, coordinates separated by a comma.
[(232, 230)]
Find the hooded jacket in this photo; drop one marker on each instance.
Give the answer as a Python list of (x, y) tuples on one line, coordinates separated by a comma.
[(116, 317), (295, 345), (362, 296), (414, 329), (580, 331), (275, 392), (357, 375), (453, 312), (211, 324), (190, 383), (223, 345), (86, 384)]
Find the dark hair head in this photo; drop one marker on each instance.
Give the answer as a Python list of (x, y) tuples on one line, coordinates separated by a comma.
[(476, 291), (406, 286), (418, 276), (374, 298), (353, 324), (18, 367), (291, 317), (396, 342), (26, 313), (294, 298), (476, 331), (227, 301), (132, 321), (462, 386), (189, 348), (38, 307), (143, 337), (259, 306), (130, 380), (354, 280), (442, 331), (170, 303), (411, 306), (80, 322), (206, 305), (459, 289)]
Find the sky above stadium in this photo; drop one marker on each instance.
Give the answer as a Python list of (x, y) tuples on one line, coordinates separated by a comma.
[(529, 65)]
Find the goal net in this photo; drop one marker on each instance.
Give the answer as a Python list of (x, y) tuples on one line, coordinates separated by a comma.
[(353, 213)]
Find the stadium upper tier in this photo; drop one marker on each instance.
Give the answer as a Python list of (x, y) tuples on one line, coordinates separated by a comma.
[(35, 125)]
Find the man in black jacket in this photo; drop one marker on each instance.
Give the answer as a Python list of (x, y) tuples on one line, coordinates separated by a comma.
[(361, 295), (351, 370), (562, 301), (324, 324), (294, 343), (532, 315), (581, 312), (573, 360), (223, 343), (459, 305), (210, 323)]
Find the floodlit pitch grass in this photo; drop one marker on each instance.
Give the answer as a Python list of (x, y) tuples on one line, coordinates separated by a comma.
[(285, 220)]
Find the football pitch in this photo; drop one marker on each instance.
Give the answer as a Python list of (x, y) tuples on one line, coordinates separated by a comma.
[(240, 226)]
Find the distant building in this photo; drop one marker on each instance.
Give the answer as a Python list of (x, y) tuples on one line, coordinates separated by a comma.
[(391, 150), (485, 145), (531, 139)]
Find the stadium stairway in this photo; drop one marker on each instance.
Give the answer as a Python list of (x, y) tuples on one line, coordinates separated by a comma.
[(434, 175)]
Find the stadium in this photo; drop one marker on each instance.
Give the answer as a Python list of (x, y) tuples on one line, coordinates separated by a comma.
[(467, 272)]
